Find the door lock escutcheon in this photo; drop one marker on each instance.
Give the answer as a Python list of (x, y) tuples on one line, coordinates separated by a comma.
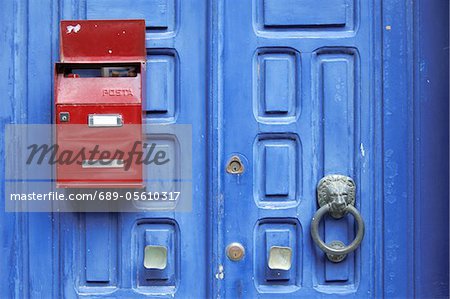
[(235, 251), (235, 165)]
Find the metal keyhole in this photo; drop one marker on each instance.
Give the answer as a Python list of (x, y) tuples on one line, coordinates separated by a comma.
[(235, 165), (64, 116), (235, 251)]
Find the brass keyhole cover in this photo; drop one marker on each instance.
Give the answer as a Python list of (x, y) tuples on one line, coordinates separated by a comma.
[(235, 165), (235, 251)]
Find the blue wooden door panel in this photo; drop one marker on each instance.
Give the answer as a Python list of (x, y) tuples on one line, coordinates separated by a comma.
[(158, 14), (432, 176), (296, 109), (170, 99), (303, 13)]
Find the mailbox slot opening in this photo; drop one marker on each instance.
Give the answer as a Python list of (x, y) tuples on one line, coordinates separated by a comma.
[(116, 70)]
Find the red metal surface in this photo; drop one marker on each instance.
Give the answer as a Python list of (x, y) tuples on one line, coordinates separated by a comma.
[(87, 47), (102, 40), (123, 90), (78, 135)]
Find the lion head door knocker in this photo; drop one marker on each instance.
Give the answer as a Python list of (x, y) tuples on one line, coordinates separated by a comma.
[(337, 190), (336, 196)]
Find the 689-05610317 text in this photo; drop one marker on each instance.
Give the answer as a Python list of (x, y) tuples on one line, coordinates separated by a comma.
[(98, 195)]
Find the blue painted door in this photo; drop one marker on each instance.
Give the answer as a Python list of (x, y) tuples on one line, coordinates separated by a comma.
[(172, 58), (298, 104), (68, 255)]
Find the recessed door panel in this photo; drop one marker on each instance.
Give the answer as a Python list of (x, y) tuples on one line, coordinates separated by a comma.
[(155, 252), (311, 116)]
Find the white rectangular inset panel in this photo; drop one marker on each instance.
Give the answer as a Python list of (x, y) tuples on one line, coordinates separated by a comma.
[(105, 120), (115, 163)]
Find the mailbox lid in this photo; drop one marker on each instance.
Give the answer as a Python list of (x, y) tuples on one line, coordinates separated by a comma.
[(102, 40), (93, 89)]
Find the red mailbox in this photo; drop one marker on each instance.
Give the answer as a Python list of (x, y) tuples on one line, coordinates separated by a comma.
[(98, 103)]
